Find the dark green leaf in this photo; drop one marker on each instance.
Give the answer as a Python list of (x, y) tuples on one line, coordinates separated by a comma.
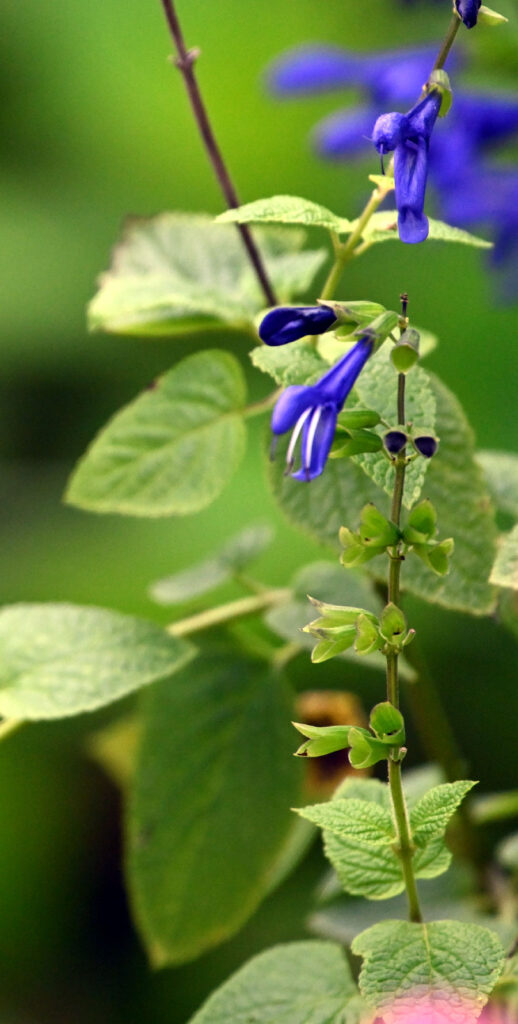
[(209, 814)]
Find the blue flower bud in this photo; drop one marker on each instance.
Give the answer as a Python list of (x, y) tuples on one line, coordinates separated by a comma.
[(311, 410), (395, 441), (468, 11), (288, 323), (426, 444)]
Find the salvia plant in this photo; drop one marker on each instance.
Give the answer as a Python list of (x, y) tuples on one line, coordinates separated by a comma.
[(370, 453)]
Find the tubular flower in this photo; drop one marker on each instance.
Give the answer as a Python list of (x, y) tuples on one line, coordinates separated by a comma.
[(311, 411), (288, 323), (468, 11), (409, 136)]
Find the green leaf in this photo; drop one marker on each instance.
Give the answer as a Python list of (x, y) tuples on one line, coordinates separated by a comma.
[(455, 486), (173, 449), (298, 363), (505, 569), (382, 227), (232, 557), (299, 981), (376, 388), (61, 659), (286, 210), (209, 813), (375, 871), (446, 966), (501, 473), (181, 272), (351, 818), (431, 815)]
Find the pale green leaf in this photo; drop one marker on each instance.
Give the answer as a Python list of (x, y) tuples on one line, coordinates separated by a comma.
[(202, 853), (173, 449), (505, 569), (298, 363), (432, 813), (62, 659), (202, 577), (445, 967), (297, 983), (382, 227), (352, 818), (375, 871), (180, 272), (377, 389), (286, 210), (501, 473)]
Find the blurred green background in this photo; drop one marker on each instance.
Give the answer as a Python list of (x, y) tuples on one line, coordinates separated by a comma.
[(95, 125)]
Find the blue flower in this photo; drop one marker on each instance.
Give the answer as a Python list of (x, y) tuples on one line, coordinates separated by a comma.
[(409, 136), (288, 323), (468, 11), (311, 410), (389, 76)]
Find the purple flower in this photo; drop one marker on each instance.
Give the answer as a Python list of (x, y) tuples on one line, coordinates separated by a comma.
[(389, 76), (468, 11), (288, 323), (408, 135), (345, 133), (311, 410)]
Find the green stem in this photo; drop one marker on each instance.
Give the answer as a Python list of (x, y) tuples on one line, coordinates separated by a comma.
[(232, 610), (449, 38), (346, 252), (405, 847)]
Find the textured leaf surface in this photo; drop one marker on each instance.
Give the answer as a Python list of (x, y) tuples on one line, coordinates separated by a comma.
[(375, 871), (298, 983), (355, 819), (376, 389), (382, 227), (286, 210), (298, 363), (447, 966), (180, 272), (171, 450), (209, 813), (432, 813), (62, 659), (232, 557), (505, 569), (501, 473), (455, 485)]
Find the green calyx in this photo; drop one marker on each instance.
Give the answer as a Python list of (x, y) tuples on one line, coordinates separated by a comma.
[(321, 740), (420, 533), (388, 724), (375, 535), (335, 629), (352, 313), (387, 731), (405, 353), (440, 80), (354, 442)]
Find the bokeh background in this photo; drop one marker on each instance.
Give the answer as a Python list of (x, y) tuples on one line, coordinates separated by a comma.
[(95, 125)]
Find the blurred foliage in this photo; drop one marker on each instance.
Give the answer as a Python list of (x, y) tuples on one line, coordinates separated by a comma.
[(95, 125)]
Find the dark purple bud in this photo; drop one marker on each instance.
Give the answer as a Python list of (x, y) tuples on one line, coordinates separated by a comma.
[(426, 445), (468, 11), (288, 323), (395, 441)]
